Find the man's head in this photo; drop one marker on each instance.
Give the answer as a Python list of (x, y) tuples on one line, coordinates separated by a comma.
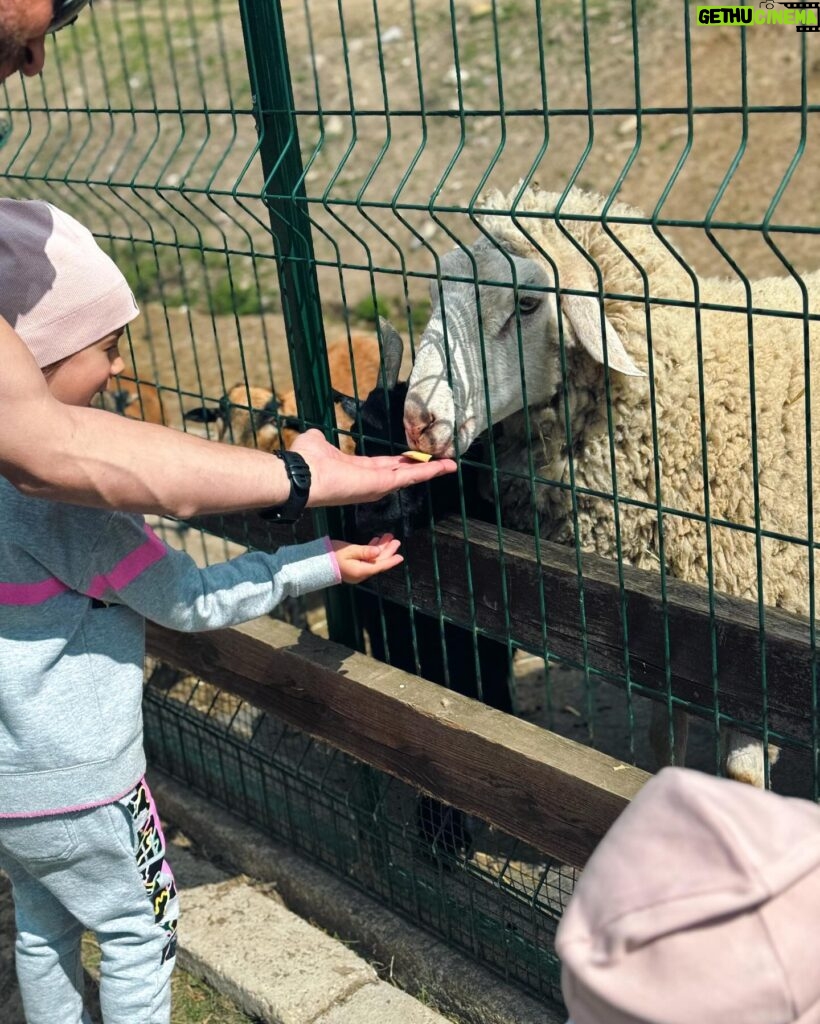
[(24, 25)]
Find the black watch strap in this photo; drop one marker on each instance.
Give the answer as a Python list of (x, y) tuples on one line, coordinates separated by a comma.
[(299, 475)]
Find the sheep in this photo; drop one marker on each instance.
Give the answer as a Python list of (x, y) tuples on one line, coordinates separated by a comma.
[(255, 417), (403, 512), (448, 654), (248, 416), (136, 399), (616, 376)]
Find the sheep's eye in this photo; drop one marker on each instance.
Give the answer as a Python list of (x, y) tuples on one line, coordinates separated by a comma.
[(528, 304)]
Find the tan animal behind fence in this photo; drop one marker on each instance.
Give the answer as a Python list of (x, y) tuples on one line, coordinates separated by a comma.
[(250, 415), (136, 399)]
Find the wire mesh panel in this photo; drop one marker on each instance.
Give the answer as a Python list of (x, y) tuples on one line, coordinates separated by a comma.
[(142, 128), (481, 891), (273, 177), (410, 116)]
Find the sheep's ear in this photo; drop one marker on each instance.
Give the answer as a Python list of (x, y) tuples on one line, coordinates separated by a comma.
[(350, 406), (584, 313), (122, 399), (202, 414), (268, 412), (392, 350), (291, 423)]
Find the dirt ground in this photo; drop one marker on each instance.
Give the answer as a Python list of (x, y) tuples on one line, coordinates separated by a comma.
[(400, 131), (370, 180)]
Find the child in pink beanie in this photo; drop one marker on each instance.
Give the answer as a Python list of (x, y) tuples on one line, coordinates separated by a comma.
[(80, 837), (700, 906)]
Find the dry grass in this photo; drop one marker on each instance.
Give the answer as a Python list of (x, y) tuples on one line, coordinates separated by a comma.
[(192, 1002)]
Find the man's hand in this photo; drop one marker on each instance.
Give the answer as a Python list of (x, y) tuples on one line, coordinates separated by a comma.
[(340, 479)]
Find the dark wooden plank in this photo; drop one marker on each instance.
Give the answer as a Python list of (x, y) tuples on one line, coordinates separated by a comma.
[(550, 792), (733, 634), (249, 528)]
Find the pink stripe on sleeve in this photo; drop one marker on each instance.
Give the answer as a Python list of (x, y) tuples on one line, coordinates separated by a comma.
[(130, 567), (31, 593), (337, 572)]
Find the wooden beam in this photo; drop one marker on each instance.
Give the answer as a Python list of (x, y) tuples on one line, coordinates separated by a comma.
[(584, 619), (550, 792)]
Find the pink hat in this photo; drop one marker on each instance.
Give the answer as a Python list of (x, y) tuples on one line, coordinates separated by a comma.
[(700, 906), (58, 289)]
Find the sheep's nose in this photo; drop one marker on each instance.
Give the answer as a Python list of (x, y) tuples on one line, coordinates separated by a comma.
[(418, 423), (33, 57)]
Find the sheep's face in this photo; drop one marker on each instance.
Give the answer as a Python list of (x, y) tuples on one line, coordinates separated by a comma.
[(246, 416), (504, 323)]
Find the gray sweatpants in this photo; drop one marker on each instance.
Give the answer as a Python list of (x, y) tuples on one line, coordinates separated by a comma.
[(104, 870)]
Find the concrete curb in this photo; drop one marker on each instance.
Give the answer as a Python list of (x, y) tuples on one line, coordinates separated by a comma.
[(240, 938), (419, 963)]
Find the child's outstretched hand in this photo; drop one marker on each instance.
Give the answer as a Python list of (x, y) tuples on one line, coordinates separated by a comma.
[(359, 562)]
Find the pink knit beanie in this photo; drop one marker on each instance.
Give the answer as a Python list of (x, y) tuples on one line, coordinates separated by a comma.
[(58, 289), (700, 906)]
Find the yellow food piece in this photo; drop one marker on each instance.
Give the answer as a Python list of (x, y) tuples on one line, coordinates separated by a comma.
[(417, 456)]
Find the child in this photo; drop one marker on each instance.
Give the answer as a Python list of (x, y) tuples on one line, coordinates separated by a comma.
[(699, 906), (79, 833)]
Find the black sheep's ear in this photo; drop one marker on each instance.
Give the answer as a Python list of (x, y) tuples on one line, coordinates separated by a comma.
[(415, 507), (268, 412), (202, 414), (350, 406), (122, 399)]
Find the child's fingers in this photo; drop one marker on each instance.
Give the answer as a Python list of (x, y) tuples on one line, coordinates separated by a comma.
[(382, 540), (356, 570), (378, 547), (368, 569), (366, 553), (390, 548), (359, 562)]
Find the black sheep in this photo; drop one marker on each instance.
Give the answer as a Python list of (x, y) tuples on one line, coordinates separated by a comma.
[(464, 661)]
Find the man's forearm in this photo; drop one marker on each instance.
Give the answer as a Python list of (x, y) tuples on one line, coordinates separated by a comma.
[(90, 457)]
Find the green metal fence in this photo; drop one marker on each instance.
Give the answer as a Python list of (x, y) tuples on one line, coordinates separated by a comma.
[(271, 175), (484, 893)]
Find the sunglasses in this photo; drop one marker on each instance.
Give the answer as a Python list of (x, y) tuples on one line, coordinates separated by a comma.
[(65, 13)]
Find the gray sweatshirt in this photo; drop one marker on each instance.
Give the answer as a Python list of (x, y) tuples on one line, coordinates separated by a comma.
[(76, 586)]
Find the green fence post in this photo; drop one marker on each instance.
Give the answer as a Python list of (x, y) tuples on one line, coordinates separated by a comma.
[(284, 196)]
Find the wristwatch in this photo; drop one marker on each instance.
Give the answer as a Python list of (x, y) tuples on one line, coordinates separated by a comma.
[(299, 475)]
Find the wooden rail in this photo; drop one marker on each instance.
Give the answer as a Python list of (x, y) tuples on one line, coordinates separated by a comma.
[(550, 792)]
